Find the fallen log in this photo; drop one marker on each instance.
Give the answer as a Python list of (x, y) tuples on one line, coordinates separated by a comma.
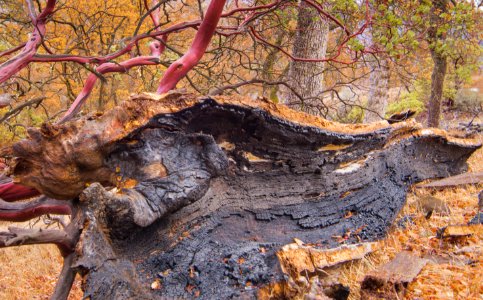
[(198, 194), (460, 179)]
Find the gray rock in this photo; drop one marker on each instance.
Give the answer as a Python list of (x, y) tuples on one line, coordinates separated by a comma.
[(430, 205)]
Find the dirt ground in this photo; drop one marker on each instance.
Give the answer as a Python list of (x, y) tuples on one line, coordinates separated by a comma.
[(30, 272)]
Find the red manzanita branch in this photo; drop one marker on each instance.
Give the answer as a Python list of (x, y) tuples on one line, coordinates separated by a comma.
[(21, 60), (28, 54), (99, 59), (205, 31), (48, 10), (252, 8), (10, 192), (104, 69), (154, 14), (177, 70), (321, 11), (156, 49), (20, 212), (135, 39), (183, 65), (12, 50)]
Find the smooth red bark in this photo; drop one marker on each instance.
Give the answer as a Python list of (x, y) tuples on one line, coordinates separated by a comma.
[(12, 50), (13, 192), (20, 212), (156, 49), (183, 65), (21, 60)]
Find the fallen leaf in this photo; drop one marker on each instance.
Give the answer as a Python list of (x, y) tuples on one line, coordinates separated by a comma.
[(156, 285)]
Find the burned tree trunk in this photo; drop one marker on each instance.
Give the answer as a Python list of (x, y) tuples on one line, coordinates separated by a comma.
[(197, 195)]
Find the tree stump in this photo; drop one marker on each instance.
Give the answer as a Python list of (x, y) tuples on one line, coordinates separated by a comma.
[(197, 194)]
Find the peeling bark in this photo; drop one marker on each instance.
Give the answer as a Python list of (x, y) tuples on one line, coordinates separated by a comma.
[(200, 193)]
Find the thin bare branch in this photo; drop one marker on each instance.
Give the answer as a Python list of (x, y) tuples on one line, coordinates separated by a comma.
[(35, 102)]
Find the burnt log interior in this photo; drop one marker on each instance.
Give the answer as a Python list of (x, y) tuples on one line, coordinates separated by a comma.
[(199, 194)]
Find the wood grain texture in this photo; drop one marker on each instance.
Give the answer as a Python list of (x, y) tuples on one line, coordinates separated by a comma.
[(192, 189)]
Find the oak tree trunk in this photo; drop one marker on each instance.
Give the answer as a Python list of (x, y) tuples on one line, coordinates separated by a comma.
[(437, 82), (378, 91), (307, 78), (436, 38), (268, 68)]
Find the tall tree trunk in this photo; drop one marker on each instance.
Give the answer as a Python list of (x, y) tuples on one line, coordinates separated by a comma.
[(379, 91), (457, 85), (112, 93), (435, 38), (437, 81), (100, 100), (267, 70), (306, 77)]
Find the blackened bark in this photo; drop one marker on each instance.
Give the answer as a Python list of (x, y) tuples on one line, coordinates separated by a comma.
[(106, 275), (207, 190)]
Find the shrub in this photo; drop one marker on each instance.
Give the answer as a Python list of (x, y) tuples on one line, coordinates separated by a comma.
[(414, 100), (469, 100)]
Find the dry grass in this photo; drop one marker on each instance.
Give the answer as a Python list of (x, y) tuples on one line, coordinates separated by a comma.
[(450, 278), (30, 272)]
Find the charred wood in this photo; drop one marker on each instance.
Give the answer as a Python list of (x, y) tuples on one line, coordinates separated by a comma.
[(200, 193)]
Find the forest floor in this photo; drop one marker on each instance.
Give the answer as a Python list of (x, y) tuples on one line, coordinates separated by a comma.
[(30, 272), (456, 275)]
